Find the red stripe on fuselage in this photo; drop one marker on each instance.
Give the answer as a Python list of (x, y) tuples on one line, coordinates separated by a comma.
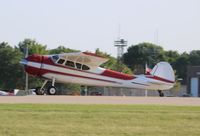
[(115, 74), (160, 79)]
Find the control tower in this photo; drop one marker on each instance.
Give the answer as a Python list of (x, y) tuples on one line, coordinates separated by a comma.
[(120, 44)]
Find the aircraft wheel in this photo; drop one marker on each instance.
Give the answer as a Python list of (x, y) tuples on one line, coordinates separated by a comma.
[(161, 94), (39, 91), (51, 90)]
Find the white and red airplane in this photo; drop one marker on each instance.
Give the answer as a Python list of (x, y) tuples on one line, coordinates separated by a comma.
[(83, 68)]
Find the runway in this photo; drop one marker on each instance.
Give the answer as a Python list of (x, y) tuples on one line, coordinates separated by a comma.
[(179, 101)]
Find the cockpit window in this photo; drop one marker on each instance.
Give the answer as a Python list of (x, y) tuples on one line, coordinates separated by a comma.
[(55, 58), (84, 67), (78, 65), (61, 61), (70, 64)]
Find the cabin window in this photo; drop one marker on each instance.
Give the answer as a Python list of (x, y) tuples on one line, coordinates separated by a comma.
[(55, 58), (78, 65), (61, 61), (70, 64), (84, 67)]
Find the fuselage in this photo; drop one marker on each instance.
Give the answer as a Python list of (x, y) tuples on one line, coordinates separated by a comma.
[(65, 71)]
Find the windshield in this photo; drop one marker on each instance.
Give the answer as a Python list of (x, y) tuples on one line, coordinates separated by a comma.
[(55, 58)]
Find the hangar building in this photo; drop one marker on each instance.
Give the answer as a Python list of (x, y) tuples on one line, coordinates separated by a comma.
[(193, 81)]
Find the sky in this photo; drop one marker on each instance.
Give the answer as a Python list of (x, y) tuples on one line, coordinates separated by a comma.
[(90, 24)]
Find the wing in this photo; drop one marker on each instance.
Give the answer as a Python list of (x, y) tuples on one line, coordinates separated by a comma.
[(86, 58)]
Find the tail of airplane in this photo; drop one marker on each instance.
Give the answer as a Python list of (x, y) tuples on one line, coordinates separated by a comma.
[(164, 72)]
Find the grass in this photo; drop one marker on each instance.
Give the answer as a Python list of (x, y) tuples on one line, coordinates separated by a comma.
[(98, 120)]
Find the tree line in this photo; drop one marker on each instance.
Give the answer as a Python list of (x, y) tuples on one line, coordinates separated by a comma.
[(133, 61)]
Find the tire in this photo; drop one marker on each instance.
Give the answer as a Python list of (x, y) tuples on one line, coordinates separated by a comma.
[(39, 91), (161, 94), (52, 90)]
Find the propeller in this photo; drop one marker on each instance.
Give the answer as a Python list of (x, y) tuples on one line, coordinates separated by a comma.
[(26, 85), (24, 62)]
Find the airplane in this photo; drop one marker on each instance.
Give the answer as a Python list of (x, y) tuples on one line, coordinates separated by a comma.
[(84, 68), (3, 93)]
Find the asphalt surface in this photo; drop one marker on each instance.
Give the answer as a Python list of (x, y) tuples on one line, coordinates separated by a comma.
[(179, 101)]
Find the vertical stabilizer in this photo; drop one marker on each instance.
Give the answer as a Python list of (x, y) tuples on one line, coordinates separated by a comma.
[(163, 71)]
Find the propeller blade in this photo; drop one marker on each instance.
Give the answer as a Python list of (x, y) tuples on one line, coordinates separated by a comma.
[(26, 82), (23, 62), (26, 53)]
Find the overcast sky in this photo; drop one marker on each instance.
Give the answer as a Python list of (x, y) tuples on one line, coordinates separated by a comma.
[(90, 24)]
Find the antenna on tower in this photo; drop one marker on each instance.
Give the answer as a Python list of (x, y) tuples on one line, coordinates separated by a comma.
[(119, 32), (156, 34)]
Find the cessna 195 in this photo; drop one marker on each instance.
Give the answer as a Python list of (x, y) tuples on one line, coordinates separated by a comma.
[(83, 68)]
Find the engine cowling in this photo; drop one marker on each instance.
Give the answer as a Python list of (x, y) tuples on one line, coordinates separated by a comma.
[(34, 63)]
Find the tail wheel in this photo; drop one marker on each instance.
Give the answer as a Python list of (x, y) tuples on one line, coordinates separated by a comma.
[(161, 94), (39, 91), (51, 90)]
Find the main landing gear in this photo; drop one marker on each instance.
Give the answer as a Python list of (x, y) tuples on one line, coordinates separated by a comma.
[(161, 94), (51, 90)]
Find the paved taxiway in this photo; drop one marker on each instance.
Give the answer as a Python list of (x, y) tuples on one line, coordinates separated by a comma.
[(101, 100)]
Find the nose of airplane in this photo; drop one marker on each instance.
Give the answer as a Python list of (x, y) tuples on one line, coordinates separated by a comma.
[(32, 64)]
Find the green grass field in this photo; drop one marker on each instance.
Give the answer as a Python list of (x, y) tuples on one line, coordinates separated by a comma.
[(98, 120)]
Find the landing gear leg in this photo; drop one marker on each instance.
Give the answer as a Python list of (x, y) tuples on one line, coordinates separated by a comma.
[(51, 89), (40, 90), (161, 94)]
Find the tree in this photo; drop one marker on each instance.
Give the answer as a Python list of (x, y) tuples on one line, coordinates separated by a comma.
[(61, 49), (182, 61), (11, 70), (194, 58), (138, 55), (171, 56), (180, 65), (33, 47)]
